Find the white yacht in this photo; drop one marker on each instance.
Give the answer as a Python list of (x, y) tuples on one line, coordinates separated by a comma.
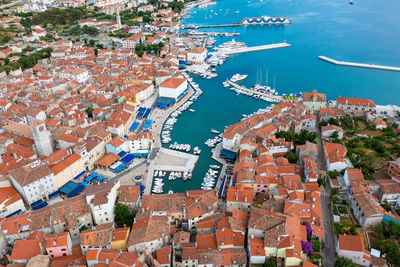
[(237, 77), (230, 46)]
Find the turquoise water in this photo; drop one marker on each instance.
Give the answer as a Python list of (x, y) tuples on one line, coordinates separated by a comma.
[(366, 32)]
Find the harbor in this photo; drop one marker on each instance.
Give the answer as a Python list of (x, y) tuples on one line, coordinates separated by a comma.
[(212, 107), (359, 65)]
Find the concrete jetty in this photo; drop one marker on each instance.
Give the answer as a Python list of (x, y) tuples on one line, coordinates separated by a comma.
[(272, 98), (176, 161), (255, 48), (359, 65)]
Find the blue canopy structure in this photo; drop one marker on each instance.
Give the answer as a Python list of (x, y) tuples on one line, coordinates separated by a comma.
[(54, 194), (85, 184), (40, 205), (128, 158), (134, 126), (91, 177), (122, 153), (71, 189), (147, 124), (120, 167), (147, 113), (164, 102), (228, 155), (79, 175), (100, 178)]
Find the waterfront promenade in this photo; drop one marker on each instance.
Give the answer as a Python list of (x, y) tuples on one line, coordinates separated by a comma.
[(359, 65), (272, 98), (157, 139), (254, 48)]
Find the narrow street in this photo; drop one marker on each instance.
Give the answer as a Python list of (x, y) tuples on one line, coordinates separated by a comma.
[(327, 212)]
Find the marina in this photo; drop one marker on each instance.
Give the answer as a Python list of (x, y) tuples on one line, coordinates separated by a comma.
[(359, 65), (293, 68)]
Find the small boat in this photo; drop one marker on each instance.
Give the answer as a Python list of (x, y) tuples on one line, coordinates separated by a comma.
[(215, 166), (237, 12), (191, 110), (351, 2), (214, 131), (170, 192)]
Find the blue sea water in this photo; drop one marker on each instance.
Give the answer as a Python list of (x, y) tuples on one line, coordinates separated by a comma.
[(366, 32)]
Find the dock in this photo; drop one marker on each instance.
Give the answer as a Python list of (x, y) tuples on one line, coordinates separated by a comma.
[(212, 26), (272, 98), (359, 65), (176, 161), (255, 48)]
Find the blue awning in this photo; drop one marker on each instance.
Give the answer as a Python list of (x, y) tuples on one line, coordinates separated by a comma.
[(122, 153), (127, 159), (164, 102), (71, 188), (54, 194), (147, 124), (80, 174), (91, 177), (39, 206), (36, 202), (100, 177), (85, 184), (134, 126), (228, 154), (14, 213)]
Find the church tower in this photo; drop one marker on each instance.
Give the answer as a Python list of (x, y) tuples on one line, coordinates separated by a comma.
[(42, 138), (118, 19)]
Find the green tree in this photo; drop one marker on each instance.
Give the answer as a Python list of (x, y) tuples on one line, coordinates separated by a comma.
[(291, 156), (391, 249), (270, 263), (288, 136), (335, 135), (5, 39), (89, 111), (333, 174), (92, 42), (321, 182), (123, 215), (344, 262), (323, 123)]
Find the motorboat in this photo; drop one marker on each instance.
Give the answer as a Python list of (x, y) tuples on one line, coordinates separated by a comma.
[(214, 131), (225, 84), (237, 77)]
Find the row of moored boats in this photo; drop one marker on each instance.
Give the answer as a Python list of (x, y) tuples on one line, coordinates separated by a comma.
[(210, 178)]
